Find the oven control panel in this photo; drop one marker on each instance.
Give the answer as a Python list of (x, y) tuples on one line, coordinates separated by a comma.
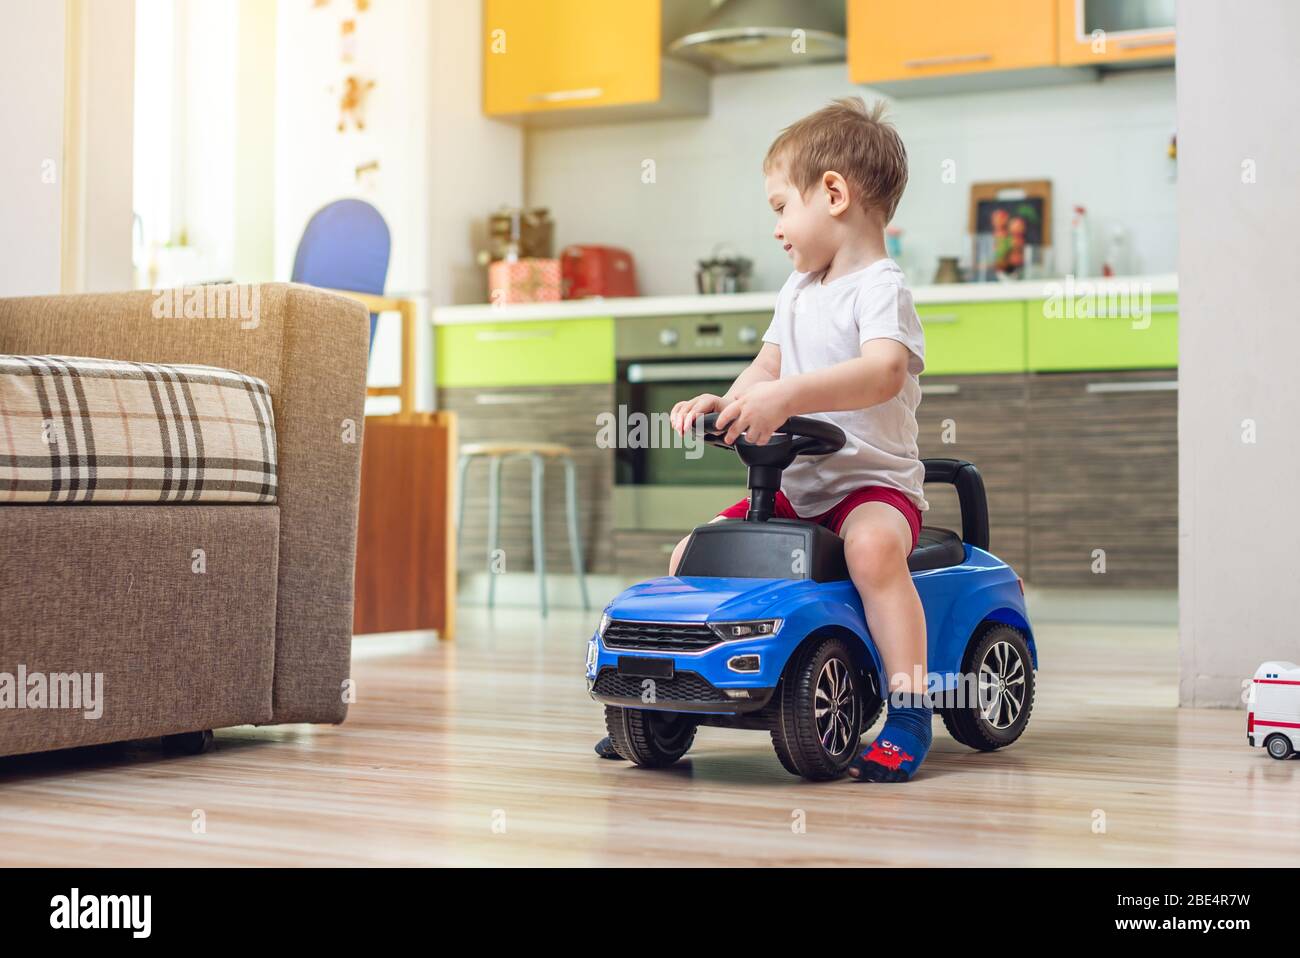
[(657, 337)]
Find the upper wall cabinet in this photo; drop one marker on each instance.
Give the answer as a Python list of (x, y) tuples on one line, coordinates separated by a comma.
[(891, 41), (570, 61), (1097, 32)]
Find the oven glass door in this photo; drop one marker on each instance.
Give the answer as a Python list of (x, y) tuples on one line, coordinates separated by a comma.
[(652, 388)]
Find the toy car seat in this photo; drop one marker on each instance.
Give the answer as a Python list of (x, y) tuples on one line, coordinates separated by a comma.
[(762, 547)]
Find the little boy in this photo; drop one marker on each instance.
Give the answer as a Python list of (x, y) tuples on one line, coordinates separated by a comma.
[(845, 345)]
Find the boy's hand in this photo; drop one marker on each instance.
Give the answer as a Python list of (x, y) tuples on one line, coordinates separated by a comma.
[(758, 412), (687, 411)]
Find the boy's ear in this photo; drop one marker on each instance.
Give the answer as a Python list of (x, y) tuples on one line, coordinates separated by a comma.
[(837, 192)]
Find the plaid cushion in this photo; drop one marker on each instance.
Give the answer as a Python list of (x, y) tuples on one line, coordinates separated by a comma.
[(96, 430)]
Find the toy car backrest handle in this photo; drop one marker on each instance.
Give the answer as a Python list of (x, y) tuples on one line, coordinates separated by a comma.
[(970, 496)]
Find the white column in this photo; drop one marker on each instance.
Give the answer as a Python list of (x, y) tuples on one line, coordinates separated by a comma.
[(1238, 79)]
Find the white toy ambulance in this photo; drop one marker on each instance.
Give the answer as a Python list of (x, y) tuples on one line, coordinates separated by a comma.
[(1274, 717)]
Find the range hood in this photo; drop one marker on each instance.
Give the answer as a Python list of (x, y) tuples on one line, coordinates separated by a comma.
[(756, 34)]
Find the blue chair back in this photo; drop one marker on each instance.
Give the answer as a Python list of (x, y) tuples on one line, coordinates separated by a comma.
[(345, 246)]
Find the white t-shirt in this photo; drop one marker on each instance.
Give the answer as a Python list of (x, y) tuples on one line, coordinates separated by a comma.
[(821, 324)]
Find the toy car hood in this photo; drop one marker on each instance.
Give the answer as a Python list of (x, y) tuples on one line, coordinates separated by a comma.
[(699, 598)]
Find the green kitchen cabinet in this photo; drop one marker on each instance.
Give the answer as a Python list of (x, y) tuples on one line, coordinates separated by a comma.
[(525, 353), (973, 337), (1103, 333)]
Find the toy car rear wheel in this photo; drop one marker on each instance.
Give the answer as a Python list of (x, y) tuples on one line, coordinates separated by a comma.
[(999, 655), (649, 738), (1278, 746), (819, 711)]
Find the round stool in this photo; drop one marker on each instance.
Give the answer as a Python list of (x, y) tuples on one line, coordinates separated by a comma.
[(537, 453)]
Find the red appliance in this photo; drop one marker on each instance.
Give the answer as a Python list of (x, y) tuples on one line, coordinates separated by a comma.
[(587, 271)]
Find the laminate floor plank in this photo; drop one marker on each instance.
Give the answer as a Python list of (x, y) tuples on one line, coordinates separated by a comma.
[(478, 752)]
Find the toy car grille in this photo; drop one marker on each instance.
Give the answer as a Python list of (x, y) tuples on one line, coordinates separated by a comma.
[(659, 636), (682, 687)]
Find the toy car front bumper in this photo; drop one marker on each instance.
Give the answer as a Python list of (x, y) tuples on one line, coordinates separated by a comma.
[(684, 691)]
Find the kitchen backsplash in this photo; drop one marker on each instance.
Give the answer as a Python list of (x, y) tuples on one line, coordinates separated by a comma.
[(671, 190)]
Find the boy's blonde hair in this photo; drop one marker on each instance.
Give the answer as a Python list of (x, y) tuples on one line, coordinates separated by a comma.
[(856, 142)]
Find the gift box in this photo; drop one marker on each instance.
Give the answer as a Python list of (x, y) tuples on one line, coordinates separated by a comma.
[(524, 281)]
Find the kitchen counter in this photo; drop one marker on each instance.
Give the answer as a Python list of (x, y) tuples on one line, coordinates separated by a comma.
[(765, 302), (1071, 414)]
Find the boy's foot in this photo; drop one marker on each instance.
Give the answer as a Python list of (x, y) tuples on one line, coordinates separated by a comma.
[(900, 748), (605, 749)]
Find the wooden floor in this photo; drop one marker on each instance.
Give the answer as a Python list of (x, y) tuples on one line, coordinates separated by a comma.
[(479, 752)]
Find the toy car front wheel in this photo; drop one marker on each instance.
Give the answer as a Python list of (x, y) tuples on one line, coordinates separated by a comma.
[(998, 656), (649, 738), (1278, 746), (819, 711)]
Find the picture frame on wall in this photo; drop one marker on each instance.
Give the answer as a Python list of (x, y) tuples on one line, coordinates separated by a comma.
[(1010, 225)]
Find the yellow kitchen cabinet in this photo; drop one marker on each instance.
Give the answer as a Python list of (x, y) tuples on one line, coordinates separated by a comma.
[(569, 54), (1093, 32), (889, 41)]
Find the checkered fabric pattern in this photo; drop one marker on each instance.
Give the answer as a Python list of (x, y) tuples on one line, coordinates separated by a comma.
[(76, 430)]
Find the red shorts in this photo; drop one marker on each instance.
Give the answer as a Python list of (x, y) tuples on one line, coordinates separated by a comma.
[(833, 518)]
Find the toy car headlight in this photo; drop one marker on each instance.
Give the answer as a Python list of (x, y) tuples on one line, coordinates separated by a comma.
[(604, 624), (728, 631), (593, 650)]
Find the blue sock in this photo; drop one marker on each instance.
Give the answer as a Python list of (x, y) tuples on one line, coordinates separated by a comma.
[(900, 748)]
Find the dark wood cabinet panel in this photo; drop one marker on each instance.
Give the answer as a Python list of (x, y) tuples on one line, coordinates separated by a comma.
[(563, 414), (980, 419), (1103, 468)]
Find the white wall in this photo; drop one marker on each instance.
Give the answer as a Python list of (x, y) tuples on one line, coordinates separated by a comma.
[(442, 166), (1103, 144), (108, 95), (475, 163), (1239, 339), (316, 164), (31, 162), (255, 138), (206, 137)]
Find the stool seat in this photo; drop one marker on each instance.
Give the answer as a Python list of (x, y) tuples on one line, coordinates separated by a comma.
[(552, 450)]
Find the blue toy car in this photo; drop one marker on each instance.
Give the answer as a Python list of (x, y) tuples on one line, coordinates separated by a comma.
[(761, 628)]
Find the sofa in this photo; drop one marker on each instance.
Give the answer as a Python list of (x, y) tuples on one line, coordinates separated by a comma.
[(196, 604)]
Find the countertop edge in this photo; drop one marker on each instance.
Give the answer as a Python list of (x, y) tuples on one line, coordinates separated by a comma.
[(766, 301)]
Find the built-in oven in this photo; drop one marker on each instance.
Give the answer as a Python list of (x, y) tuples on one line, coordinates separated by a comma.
[(663, 482)]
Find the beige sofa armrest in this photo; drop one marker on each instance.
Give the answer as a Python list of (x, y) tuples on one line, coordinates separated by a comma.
[(311, 349)]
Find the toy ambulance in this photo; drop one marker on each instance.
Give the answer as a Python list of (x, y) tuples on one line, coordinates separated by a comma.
[(1274, 717)]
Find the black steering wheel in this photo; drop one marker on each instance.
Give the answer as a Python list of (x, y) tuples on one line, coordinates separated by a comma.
[(798, 436)]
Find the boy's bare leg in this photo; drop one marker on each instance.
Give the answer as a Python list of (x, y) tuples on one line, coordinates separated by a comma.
[(877, 540)]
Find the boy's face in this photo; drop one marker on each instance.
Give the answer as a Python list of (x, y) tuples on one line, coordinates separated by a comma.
[(803, 228)]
